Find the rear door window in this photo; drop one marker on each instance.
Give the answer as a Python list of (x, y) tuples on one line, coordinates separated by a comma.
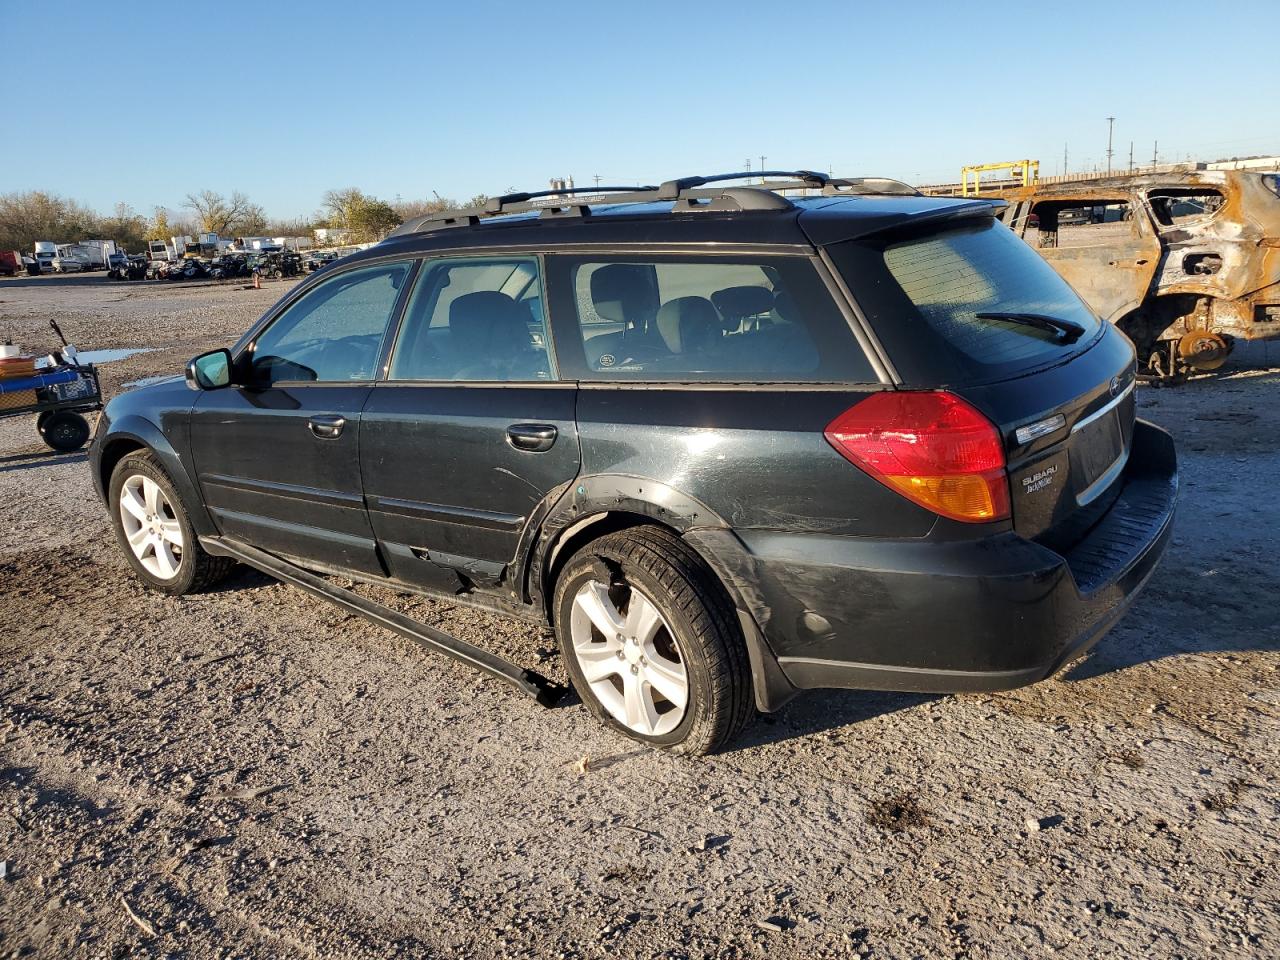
[(713, 319), (925, 295), (1095, 222), (475, 320)]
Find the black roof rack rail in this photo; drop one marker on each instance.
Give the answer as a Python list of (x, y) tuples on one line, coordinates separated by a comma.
[(507, 203), (671, 189), (850, 187), (685, 191), (510, 198)]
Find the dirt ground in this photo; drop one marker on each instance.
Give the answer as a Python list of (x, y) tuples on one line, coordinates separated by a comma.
[(251, 773)]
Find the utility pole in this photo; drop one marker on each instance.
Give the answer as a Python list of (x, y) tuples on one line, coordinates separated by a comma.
[(748, 168), (597, 179), (1064, 159), (1154, 153), (762, 159), (1111, 123), (1130, 158)]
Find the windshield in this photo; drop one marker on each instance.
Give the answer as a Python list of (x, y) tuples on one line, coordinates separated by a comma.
[(946, 287)]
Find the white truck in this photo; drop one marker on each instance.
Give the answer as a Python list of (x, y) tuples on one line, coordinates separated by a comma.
[(90, 254), (97, 252), (45, 252)]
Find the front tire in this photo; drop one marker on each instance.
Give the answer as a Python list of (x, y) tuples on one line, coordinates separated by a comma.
[(154, 532), (651, 642)]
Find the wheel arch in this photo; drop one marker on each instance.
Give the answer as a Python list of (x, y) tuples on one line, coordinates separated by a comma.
[(134, 433), (598, 506)]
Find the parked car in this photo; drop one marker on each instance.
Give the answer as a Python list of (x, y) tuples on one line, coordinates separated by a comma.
[(729, 445), (70, 263), (121, 266), (1183, 262), (318, 260)]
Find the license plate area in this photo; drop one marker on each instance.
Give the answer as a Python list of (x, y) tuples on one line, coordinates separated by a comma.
[(1097, 456)]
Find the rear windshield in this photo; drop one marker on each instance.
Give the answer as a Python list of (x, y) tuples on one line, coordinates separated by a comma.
[(927, 316)]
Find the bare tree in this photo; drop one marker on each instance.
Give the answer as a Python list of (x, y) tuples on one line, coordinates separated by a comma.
[(224, 215)]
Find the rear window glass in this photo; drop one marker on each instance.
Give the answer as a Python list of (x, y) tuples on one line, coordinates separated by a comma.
[(949, 278), (717, 319)]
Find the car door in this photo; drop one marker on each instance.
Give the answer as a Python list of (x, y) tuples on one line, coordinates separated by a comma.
[(471, 431), (277, 457), (1104, 245)]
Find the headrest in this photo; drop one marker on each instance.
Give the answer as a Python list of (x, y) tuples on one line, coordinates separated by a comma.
[(688, 324), (625, 292), (488, 321), (734, 303), (785, 306)]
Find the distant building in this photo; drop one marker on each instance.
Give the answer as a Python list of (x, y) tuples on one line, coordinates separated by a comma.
[(1246, 163), (331, 236)]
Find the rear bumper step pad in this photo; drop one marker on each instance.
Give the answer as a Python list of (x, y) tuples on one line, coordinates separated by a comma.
[(546, 692)]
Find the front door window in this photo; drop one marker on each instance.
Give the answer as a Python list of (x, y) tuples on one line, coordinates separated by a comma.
[(333, 334)]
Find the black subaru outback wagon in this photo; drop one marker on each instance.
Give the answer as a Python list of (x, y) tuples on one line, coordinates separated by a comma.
[(730, 444)]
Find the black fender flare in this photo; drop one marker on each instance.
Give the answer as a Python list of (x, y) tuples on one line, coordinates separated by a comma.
[(138, 431), (589, 500)]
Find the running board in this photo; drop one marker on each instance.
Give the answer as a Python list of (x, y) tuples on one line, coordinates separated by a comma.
[(546, 692)]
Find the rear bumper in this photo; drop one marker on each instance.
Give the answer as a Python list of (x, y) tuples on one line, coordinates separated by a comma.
[(949, 617)]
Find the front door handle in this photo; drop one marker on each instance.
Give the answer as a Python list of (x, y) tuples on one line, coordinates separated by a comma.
[(327, 426), (534, 437)]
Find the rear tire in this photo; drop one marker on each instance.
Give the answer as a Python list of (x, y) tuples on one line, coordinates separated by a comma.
[(693, 648), (154, 531)]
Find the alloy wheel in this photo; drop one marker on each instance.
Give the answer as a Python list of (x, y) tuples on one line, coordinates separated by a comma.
[(629, 657), (151, 526)]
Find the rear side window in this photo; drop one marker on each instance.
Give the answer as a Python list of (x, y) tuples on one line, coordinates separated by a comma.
[(714, 319), (1175, 205), (927, 313)]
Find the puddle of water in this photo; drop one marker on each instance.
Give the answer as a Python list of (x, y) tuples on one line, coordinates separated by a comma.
[(103, 356), (107, 356), (148, 381)]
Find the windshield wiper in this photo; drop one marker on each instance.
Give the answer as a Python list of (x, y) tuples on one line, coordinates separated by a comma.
[(1069, 329)]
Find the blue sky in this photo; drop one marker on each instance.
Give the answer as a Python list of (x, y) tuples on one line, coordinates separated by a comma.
[(284, 101)]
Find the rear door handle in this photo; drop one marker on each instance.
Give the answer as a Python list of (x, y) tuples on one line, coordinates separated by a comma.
[(327, 426), (534, 437)]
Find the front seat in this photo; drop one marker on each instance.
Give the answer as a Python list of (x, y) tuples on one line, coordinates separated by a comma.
[(626, 294), (490, 339)]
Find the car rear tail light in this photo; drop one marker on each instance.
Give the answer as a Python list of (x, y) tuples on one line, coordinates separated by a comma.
[(932, 447)]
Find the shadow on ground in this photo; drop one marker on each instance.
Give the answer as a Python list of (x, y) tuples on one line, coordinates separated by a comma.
[(40, 458)]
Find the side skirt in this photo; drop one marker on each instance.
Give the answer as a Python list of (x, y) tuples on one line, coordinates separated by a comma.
[(547, 692)]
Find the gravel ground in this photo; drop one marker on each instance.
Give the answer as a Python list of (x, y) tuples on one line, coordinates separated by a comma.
[(252, 773)]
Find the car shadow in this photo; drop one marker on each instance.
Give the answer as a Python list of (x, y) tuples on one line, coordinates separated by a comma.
[(1118, 652), (244, 578), (40, 458), (819, 711)]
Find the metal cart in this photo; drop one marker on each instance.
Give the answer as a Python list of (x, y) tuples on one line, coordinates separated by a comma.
[(60, 395)]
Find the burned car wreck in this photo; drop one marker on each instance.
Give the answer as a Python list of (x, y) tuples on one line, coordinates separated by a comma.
[(1184, 262)]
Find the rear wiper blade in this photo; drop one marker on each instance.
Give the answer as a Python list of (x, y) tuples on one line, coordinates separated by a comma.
[(1070, 330)]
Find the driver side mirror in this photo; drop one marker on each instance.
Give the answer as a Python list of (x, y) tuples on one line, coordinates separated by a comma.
[(210, 371)]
